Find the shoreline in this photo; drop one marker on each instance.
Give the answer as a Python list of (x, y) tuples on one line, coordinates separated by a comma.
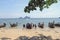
[(14, 33)]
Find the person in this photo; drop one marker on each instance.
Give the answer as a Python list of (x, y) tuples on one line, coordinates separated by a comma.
[(23, 25)]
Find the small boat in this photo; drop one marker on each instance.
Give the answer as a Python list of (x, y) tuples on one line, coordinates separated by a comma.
[(14, 24), (57, 24), (3, 25), (41, 25), (51, 25)]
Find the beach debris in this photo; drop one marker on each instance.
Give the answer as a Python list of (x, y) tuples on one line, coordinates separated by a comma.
[(42, 37), (14, 24), (34, 38), (57, 39), (22, 38), (41, 25), (49, 38), (5, 38), (3, 25)]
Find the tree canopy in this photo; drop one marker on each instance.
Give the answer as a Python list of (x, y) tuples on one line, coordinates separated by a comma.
[(33, 4)]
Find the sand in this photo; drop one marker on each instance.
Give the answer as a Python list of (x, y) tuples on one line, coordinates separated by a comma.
[(14, 33)]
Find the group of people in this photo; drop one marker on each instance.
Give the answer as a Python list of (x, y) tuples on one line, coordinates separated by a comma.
[(41, 25), (31, 25)]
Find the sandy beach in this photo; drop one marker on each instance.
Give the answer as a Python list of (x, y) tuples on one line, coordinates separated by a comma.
[(14, 33)]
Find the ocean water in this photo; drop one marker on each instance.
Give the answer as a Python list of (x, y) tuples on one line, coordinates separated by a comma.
[(24, 21)]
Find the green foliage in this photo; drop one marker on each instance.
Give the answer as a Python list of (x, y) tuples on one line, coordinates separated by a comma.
[(38, 3)]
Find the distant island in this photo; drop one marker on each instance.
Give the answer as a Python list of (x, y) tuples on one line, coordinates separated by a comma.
[(20, 17), (59, 17), (26, 17)]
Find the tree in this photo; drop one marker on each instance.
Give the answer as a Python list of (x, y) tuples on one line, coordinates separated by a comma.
[(33, 4)]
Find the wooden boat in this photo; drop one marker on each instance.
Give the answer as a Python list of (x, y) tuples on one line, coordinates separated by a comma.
[(14, 24), (51, 25), (41, 25), (3, 25), (57, 24)]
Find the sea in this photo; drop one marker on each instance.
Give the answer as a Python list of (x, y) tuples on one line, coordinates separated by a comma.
[(31, 20)]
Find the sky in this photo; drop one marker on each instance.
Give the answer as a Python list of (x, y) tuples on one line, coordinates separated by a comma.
[(15, 9)]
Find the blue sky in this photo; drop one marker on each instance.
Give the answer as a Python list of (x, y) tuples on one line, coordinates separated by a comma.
[(15, 9)]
